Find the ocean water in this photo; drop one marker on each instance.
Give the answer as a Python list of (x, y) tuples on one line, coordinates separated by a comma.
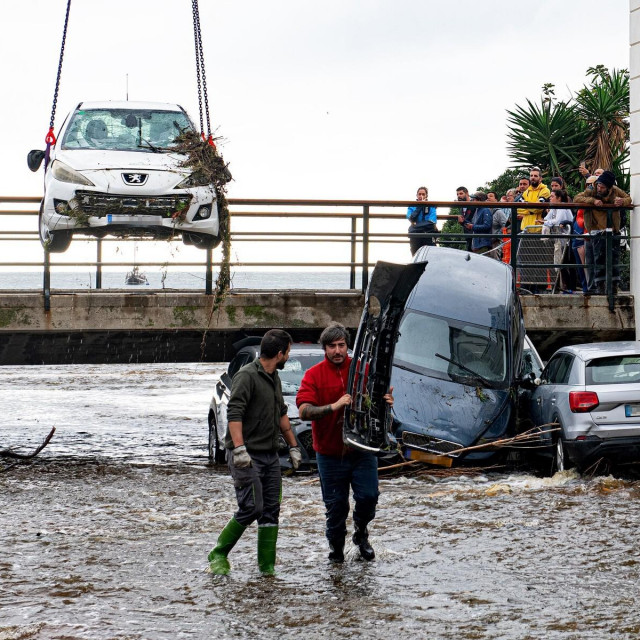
[(181, 279)]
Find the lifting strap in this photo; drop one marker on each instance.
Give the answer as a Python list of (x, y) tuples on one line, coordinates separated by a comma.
[(50, 138), (201, 76)]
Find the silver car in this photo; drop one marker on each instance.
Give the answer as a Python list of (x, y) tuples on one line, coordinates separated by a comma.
[(592, 391)]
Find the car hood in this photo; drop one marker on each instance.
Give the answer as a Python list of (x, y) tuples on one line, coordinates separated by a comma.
[(448, 410), (89, 159)]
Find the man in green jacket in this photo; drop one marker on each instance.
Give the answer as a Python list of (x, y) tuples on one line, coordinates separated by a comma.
[(257, 415), (595, 223)]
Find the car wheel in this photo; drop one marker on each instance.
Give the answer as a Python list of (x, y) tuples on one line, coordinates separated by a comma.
[(52, 241), (217, 452), (200, 240), (561, 461)]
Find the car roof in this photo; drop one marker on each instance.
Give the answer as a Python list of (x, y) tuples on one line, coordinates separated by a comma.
[(463, 286), (592, 350), (297, 349), (129, 105)]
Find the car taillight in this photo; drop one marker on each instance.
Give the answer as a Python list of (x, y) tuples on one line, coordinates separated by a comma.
[(583, 401)]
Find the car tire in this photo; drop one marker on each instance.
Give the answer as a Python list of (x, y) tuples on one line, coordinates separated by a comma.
[(52, 241), (561, 460), (217, 452), (200, 240)]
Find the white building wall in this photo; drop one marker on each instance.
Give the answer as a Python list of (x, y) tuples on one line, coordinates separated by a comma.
[(634, 71)]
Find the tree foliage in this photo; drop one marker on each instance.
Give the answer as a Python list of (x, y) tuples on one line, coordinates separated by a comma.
[(593, 126)]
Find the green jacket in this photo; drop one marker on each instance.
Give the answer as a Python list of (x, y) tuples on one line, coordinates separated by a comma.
[(256, 401), (596, 219)]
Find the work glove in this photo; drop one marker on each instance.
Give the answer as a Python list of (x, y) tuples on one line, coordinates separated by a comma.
[(241, 458), (296, 457)]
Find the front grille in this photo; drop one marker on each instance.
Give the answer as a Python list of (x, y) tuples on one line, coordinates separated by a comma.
[(100, 204), (431, 444)]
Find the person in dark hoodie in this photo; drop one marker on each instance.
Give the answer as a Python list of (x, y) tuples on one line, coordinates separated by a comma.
[(595, 223)]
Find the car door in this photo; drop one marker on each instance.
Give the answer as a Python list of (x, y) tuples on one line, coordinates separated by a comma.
[(550, 395)]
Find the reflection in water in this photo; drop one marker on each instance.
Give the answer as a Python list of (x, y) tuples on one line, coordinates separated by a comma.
[(105, 535)]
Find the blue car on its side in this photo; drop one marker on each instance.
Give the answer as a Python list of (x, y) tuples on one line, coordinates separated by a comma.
[(461, 365)]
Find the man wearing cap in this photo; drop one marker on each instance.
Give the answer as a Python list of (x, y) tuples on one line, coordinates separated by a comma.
[(481, 223), (595, 222), (535, 192)]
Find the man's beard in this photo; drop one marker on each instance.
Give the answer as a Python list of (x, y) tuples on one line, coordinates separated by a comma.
[(281, 364)]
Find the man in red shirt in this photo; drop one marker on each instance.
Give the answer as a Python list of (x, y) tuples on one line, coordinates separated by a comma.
[(322, 398)]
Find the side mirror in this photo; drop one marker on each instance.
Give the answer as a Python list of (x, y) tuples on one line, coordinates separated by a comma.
[(529, 381), (34, 159)]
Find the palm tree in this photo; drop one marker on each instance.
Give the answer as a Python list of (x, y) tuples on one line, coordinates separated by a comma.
[(548, 135), (604, 108)]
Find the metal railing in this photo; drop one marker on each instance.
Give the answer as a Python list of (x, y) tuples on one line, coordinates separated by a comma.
[(365, 236)]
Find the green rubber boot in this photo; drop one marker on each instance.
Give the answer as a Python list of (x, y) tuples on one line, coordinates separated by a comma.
[(267, 538), (227, 539)]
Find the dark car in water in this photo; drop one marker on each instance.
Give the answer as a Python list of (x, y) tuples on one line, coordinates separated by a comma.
[(459, 369)]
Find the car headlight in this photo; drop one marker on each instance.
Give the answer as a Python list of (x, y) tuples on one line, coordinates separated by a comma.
[(64, 173), (196, 179)]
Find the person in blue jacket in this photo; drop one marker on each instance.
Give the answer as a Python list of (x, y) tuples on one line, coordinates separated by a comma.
[(481, 223), (423, 220)]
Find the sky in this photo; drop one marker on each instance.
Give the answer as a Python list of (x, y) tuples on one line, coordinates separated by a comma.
[(340, 99)]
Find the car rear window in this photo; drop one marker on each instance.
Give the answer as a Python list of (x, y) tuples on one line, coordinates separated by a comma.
[(613, 370)]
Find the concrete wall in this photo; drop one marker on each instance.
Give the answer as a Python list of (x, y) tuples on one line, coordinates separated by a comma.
[(167, 326), (634, 71)]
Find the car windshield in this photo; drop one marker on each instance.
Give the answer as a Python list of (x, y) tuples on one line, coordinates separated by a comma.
[(294, 369), (613, 370), (124, 129), (432, 345)]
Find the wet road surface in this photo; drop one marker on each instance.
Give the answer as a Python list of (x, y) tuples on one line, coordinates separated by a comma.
[(105, 534)]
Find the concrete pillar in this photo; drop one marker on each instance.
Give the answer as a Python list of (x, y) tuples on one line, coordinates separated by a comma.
[(634, 72)]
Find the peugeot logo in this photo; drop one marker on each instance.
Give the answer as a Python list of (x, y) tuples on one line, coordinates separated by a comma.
[(135, 179)]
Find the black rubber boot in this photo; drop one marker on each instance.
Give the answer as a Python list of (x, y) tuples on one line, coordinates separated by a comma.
[(361, 540), (336, 550)]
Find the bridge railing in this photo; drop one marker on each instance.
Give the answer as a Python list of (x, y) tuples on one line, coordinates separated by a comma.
[(319, 234)]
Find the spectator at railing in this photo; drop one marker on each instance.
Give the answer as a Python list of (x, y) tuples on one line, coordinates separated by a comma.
[(578, 248), (536, 190), (466, 217), (481, 223), (501, 220), (557, 183), (595, 222), (423, 220), (558, 222)]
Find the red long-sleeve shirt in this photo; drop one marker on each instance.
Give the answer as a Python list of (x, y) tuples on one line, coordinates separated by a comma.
[(323, 384)]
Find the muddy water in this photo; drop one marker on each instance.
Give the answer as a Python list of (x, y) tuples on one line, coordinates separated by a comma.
[(105, 534)]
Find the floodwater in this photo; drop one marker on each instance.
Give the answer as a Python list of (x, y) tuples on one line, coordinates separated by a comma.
[(105, 534)]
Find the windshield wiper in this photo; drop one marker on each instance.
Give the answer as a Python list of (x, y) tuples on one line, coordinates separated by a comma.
[(477, 376), (148, 145)]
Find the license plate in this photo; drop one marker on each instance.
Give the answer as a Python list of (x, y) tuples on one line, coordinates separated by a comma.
[(632, 410), (133, 220)]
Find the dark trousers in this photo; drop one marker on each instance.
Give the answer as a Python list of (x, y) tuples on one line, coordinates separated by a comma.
[(600, 258), (588, 263), (258, 489), (416, 241), (581, 272), (357, 470)]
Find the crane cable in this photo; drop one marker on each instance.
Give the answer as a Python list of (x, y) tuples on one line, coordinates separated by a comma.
[(201, 76), (50, 138)]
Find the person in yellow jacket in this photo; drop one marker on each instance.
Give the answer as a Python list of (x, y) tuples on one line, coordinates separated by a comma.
[(535, 191)]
